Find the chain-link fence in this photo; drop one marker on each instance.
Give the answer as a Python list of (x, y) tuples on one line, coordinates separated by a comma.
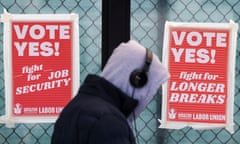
[(89, 12), (147, 25)]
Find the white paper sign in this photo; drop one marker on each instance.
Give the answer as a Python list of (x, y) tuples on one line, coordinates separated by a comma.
[(201, 60)]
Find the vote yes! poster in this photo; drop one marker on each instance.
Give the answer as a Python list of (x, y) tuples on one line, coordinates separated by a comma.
[(41, 58), (201, 60)]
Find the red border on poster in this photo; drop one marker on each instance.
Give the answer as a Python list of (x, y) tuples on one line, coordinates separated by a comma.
[(42, 65), (200, 59)]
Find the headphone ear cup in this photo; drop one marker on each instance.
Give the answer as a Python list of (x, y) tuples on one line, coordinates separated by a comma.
[(138, 78)]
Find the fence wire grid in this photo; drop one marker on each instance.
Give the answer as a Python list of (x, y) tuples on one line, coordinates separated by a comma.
[(147, 26)]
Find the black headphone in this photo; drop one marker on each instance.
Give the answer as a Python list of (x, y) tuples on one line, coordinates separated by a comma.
[(138, 78)]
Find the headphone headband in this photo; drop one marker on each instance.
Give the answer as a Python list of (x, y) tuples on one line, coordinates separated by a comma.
[(148, 60)]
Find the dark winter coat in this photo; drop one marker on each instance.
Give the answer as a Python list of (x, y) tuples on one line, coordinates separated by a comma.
[(97, 115), (104, 106)]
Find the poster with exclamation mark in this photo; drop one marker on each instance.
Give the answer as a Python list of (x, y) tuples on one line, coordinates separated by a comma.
[(200, 58), (44, 65)]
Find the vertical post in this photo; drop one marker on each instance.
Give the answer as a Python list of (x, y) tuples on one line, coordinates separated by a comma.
[(115, 25), (162, 8)]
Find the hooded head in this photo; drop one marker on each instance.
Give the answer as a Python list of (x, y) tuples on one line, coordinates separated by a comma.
[(126, 58)]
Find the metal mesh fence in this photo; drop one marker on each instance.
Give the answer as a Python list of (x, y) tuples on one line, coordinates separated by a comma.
[(147, 25), (89, 12)]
